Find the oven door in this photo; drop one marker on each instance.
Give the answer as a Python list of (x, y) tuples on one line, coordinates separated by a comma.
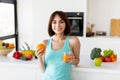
[(77, 26), (76, 21)]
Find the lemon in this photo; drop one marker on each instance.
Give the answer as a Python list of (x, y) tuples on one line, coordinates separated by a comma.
[(97, 62)]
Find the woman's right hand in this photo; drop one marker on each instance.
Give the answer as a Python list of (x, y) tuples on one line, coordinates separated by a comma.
[(39, 53)]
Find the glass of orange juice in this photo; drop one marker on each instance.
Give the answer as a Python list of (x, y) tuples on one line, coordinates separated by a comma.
[(65, 57)]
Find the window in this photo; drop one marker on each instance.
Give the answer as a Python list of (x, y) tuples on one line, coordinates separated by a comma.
[(8, 21)]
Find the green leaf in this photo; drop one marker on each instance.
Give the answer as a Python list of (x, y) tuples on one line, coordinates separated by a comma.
[(28, 47), (23, 48)]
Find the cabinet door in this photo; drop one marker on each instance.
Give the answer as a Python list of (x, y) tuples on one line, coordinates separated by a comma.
[(115, 27), (77, 75), (19, 72), (39, 74), (101, 76)]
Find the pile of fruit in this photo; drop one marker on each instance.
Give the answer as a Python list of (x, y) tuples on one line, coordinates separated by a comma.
[(107, 56), (6, 45), (26, 53)]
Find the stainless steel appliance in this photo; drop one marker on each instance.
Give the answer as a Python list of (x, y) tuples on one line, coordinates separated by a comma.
[(76, 20)]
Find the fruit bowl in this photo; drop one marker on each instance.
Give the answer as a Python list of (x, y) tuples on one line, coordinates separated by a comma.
[(5, 52)]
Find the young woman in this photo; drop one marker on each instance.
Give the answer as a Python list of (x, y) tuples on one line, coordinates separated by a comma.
[(53, 66)]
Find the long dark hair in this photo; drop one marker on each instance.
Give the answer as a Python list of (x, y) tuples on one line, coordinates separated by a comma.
[(64, 17)]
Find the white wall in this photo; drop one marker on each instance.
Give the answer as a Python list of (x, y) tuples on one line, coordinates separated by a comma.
[(25, 21), (43, 9), (87, 44), (33, 18), (100, 12)]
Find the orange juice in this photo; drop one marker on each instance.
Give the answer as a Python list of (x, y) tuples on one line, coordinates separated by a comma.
[(65, 57)]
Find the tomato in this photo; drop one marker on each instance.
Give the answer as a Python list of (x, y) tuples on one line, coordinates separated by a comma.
[(108, 59), (102, 58)]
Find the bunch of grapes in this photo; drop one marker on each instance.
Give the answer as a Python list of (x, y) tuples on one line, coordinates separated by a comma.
[(108, 52)]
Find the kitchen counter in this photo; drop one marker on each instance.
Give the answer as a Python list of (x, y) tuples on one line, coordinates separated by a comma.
[(85, 64), (6, 60), (107, 67), (84, 69)]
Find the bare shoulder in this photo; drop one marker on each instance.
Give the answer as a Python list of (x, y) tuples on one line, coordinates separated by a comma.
[(74, 39), (74, 42)]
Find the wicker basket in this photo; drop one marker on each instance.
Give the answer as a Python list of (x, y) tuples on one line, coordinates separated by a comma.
[(5, 52)]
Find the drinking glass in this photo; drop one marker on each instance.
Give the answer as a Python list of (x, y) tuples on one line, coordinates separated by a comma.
[(65, 57)]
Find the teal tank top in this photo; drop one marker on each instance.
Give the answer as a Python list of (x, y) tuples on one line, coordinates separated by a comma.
[(56, 69)]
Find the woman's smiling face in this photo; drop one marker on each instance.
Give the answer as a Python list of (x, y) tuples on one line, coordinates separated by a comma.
[(58, 25)]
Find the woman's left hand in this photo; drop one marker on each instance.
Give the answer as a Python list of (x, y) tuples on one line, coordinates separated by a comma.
[(71, 56), (72, 59)]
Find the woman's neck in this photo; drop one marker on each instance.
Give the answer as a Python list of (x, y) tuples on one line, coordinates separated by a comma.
[(59, 38)]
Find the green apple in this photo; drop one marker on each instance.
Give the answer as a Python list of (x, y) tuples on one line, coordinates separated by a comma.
[(97, 62)]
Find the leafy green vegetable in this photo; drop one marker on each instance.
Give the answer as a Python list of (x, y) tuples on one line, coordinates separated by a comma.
[(96, 52), (107, 52)]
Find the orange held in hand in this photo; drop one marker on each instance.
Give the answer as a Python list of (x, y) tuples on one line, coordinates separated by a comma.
[(41, 46)]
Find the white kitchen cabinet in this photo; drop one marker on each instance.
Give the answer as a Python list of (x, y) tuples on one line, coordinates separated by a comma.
[(39, 75), (96, 73), (77, 75), (17, 72), (101, 76), (13, 69)]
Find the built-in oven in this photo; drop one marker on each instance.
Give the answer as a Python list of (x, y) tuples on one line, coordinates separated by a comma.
[(76, 20)]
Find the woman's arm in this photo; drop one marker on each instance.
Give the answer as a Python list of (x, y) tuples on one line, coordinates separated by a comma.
[(40, 56), (41, 64), (75, 46)]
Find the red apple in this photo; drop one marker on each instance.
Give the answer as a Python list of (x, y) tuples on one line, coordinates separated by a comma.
[(29, 56), (17, 54)]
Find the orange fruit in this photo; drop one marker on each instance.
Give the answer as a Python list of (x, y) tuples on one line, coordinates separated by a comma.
[(41, 46), (11, 45)]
